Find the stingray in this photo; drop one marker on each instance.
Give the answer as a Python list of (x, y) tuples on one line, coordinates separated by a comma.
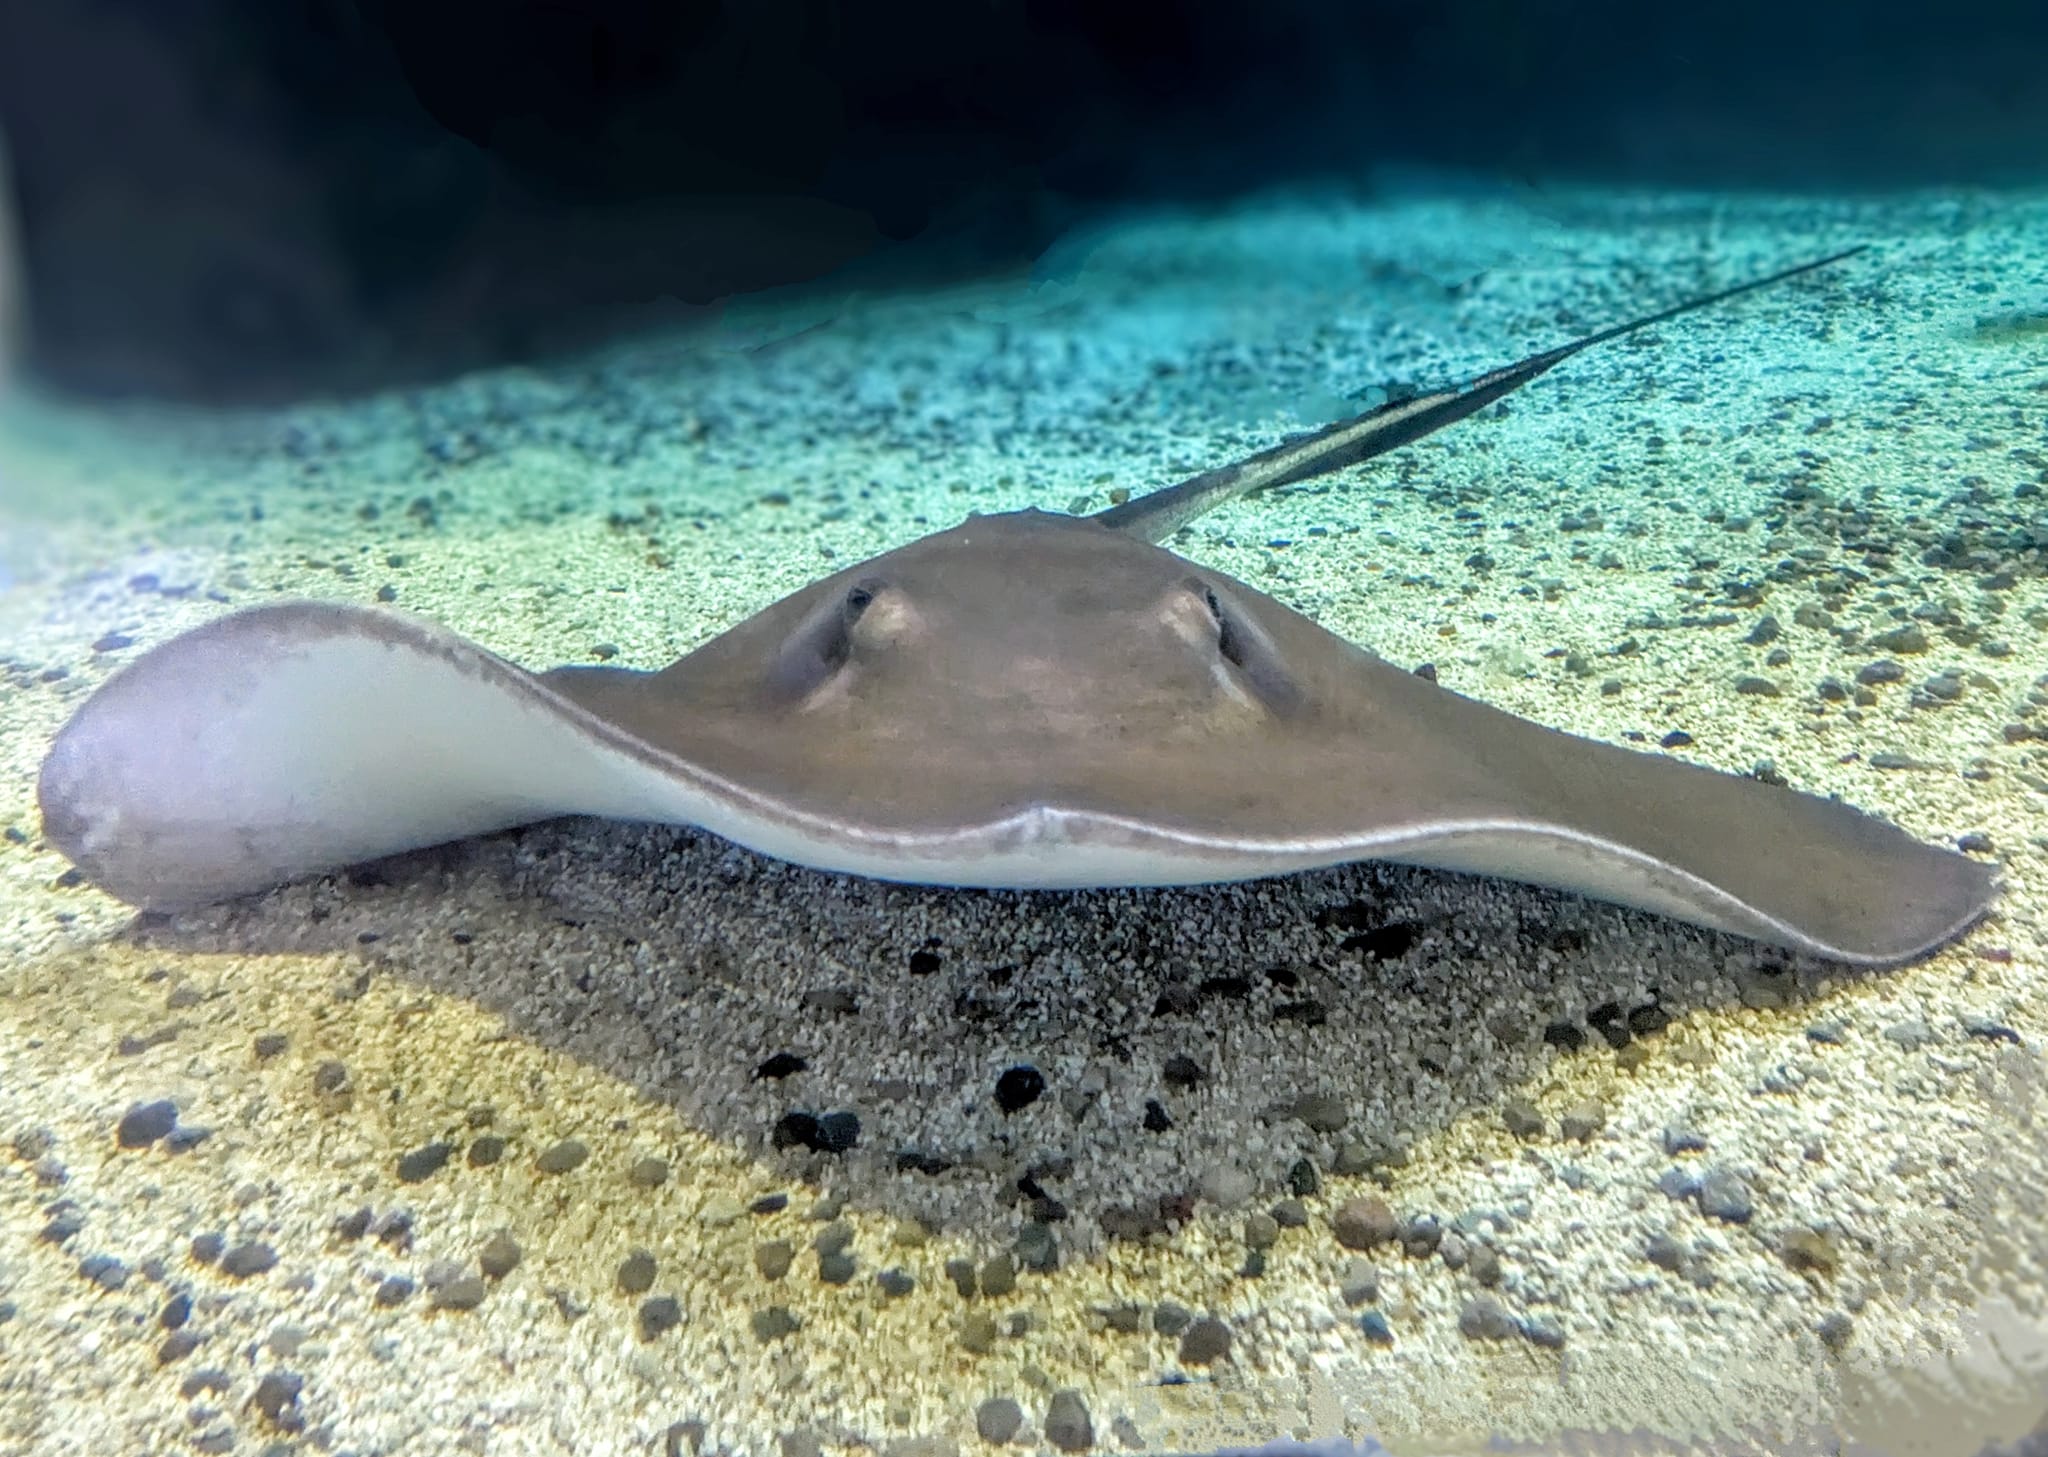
[(1025, 700)]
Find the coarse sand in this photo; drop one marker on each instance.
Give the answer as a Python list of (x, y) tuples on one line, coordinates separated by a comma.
[(606, 1139)]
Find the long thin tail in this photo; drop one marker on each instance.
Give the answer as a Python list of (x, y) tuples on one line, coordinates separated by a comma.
[(1158, 514)]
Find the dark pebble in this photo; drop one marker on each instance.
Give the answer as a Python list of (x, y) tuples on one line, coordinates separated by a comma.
[(177, 1346), (961, 1273), (998, 1419), (657, 1316), (1522, 1118), (998, 1275), (1564, 1036), (465, 1292), (562, 1157), (781, 1065), (206, 1248), (245, 1260), (1484, 1318), (1067, 1424), (1208, 1339), (1373, 1326), (393, 1290), (486, 1151), (1182, 1072), (176, 1311), (1170, 1318), (1884, 670), (1835, 1329), (648, 1173), (1544, 1331), (924, 961), (330, 1077), (500, 1256), (1302, 1179), (1676, 739), (144, 1123), (65, 1221), (423, 1162), (773, 1324), (1364, 1222), (1976, 842), (1752, 686), (1038, 1248), (104, 1271), (206, 1381), (270, 1044), (277, 1397), (1156, 1120), (836, 1269), (1724, 1196), (112, 642), (772, 1257), (1906, 638), (1019, 1088), (896, 1283), (636, 1273)]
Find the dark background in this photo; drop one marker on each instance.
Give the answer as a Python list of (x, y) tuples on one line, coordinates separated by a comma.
[(237, 198)]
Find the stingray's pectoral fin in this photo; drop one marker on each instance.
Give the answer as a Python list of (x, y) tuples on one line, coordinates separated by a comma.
[(302, 737)]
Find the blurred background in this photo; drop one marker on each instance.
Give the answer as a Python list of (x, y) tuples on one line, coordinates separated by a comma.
[(252, 199)]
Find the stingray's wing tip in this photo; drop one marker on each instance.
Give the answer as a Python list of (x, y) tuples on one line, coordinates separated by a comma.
[(296, 738)]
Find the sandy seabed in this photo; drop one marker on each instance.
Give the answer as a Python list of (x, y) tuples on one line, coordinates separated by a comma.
[(475, 1151)]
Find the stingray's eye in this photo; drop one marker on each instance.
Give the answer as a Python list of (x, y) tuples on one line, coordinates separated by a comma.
[(1227, 639), (1245, 645), (859, 598)]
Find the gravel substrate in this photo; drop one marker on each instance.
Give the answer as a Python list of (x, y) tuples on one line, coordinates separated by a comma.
[(602, 1138)]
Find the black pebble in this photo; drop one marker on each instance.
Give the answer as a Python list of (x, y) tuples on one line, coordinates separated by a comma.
[(1676, 739), (1182, 1072), (248, 1259), (1564, 1035), (923, 962), (1156, 1120), (659, 1314), (1384, 943), (423, 1162), (206, 1248), (176, 1347), (145, 1123), (1019, 1088), (831, 1133), (393, 1290), (781, 1065), (177, 1310)]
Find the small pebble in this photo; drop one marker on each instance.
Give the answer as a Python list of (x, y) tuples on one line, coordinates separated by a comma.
[(463, 1293), (1522, 1118), (245, 1260), (773, 1257), (1373, 1326), (1018, 1088), (998, 1419), (1363, 1223), (177, 1346), (773, 1323), (423, 1162), (998, 1275), (393, 1290), (896, 1283), (1170, 1318), (1225, 1185), (648, 1173), (657, 1316), (1067, 1424), (1582, 1120), (978, 1332), (1725, 1196), (1359, 1284), (560, 1158), (1207, 1340), (486, 1151), (144, 1123), (1484, 1318), (836, 1269), (636, 1273)]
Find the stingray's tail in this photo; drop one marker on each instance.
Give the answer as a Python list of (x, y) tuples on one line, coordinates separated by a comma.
[(1156, 516)]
